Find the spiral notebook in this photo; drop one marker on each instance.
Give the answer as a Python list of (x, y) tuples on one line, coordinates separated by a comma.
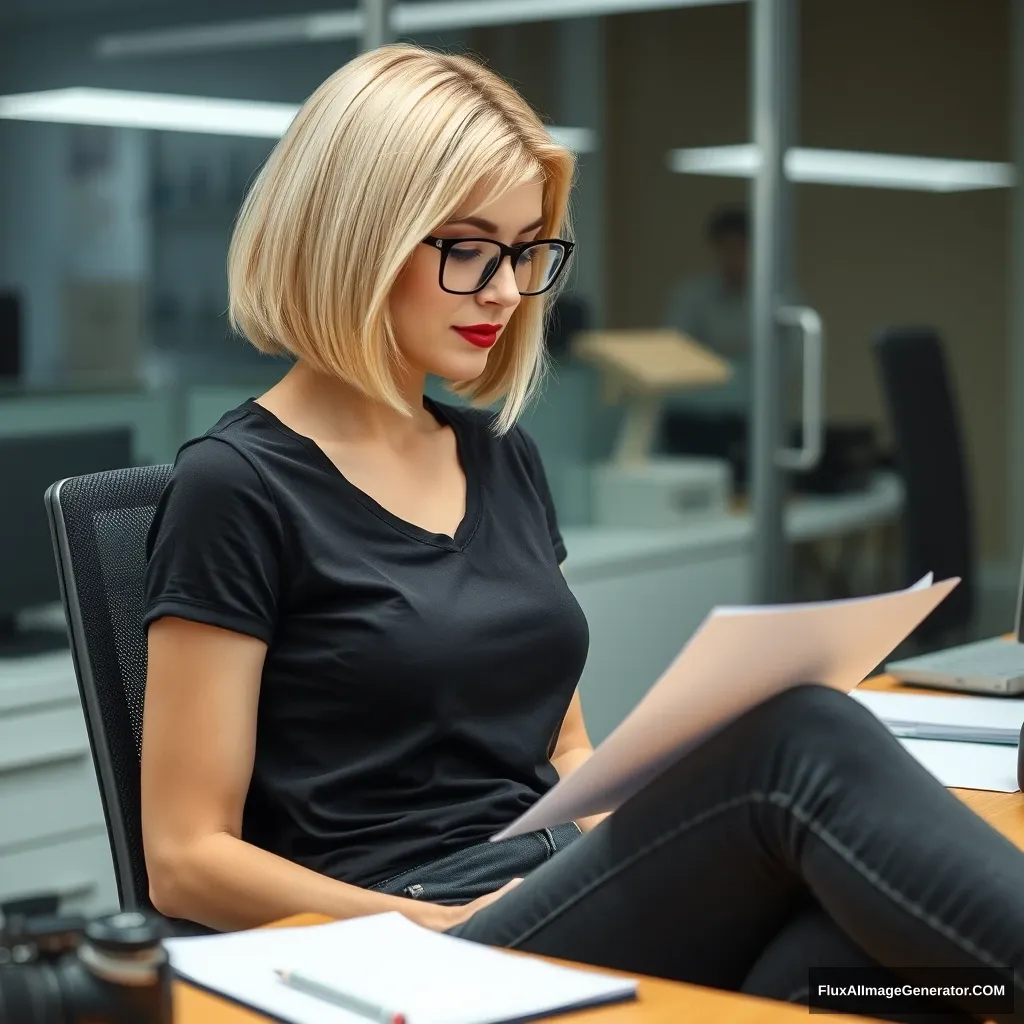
[(426, 976)]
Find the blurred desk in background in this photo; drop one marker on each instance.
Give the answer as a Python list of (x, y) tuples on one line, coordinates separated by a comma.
[(811, 517), (819, 516), (847, 544), (844, 543)]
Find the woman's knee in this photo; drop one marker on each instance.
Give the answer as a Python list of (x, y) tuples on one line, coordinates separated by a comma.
[(808, 704), (812, 715)]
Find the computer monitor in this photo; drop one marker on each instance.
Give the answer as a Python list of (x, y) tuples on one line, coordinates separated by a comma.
[(28, 574)]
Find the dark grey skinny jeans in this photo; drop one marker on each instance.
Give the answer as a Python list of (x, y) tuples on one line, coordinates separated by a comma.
[(800, 834)]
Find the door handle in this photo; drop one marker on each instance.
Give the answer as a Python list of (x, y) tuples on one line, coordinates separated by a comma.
[(808, 455)]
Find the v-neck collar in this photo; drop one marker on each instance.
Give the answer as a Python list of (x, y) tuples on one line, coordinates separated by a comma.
[(466, 455)]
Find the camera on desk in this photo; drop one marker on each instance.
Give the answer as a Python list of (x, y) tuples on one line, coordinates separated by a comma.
[(70, 970)]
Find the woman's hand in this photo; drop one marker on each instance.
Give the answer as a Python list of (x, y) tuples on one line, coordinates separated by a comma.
[(451, 916)]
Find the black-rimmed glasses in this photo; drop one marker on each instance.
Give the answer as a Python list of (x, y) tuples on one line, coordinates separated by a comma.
[(467, 264)]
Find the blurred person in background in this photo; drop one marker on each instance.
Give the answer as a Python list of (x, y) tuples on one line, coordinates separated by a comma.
[(712, 308)]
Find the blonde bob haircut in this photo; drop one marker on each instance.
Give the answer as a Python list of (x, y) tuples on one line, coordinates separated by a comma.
[(388, 148)]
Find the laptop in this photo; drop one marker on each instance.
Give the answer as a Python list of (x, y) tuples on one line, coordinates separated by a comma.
[(994, 667)]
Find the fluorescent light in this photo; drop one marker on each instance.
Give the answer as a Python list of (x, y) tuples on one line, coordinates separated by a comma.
[(432, 17), (579, 140), (303, 28), (842, 167), (406, 19), (188, 114), (719, 161), (150, 110)]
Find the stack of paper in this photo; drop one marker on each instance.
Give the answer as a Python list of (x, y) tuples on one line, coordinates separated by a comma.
[(965, 742), (423, 976), (966, 719)]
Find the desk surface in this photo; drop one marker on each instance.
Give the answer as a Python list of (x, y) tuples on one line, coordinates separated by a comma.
[(660, 1002)]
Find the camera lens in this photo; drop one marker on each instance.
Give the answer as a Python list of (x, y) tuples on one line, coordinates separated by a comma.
[(118, 972), (127, 932), (30, 995)]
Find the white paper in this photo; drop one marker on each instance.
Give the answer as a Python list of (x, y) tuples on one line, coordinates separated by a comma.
[(926, 716), (430, 977), (967, 765), (736, 659)]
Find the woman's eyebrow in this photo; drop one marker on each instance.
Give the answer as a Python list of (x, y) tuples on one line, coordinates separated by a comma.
[(492, 228)]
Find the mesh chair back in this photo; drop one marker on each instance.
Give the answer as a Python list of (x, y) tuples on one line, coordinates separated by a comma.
[(938, 519), (99, 525)]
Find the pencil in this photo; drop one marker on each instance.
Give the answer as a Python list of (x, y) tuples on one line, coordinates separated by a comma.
[(347, 1001)]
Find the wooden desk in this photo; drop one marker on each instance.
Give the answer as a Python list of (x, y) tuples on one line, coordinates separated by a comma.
[(659, 1002)]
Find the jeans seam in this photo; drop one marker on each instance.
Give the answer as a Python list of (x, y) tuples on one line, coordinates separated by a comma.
[(785, 802)]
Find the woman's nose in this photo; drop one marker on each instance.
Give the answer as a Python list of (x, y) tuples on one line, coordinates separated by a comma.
[(502, 288)]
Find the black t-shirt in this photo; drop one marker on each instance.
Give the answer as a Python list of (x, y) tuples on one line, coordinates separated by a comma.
[(414, 683)]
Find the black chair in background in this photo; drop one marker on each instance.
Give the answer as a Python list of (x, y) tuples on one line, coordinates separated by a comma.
[(99, 524), (928, 453)]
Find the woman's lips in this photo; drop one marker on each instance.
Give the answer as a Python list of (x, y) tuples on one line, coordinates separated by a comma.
[(480, 338)]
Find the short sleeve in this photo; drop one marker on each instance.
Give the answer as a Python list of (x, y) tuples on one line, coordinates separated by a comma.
[(535, 466), (215, 545)]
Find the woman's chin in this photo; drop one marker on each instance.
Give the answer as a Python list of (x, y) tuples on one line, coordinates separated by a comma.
[(462, 367)]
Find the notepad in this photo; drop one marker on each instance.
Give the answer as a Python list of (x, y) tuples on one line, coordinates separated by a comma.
[(429, 977), (927, 717)]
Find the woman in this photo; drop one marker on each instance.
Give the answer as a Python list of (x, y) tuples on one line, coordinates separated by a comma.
[(363, 656)]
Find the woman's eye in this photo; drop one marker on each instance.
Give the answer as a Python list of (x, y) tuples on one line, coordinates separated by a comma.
[(463, 253), (528, 256)]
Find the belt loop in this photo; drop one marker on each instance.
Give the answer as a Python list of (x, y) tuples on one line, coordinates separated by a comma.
[(553, 848)]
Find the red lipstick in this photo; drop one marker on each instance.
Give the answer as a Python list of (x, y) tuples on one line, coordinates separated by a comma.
[(481, 335)]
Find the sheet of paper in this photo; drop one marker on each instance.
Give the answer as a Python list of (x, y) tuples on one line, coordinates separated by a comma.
[(430, 977), (981, 719), (736, 659), (967, 765)]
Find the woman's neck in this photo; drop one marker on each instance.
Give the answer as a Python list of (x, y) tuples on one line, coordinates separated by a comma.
[(328, 409)]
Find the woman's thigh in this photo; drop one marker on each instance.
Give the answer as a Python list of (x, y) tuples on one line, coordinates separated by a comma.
[(806, 795)]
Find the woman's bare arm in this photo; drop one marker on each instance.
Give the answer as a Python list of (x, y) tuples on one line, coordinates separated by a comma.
[(199, 737), (572, 748)]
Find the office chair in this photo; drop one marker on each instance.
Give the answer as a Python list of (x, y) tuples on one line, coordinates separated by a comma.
[(928, 452), (98, 524)]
